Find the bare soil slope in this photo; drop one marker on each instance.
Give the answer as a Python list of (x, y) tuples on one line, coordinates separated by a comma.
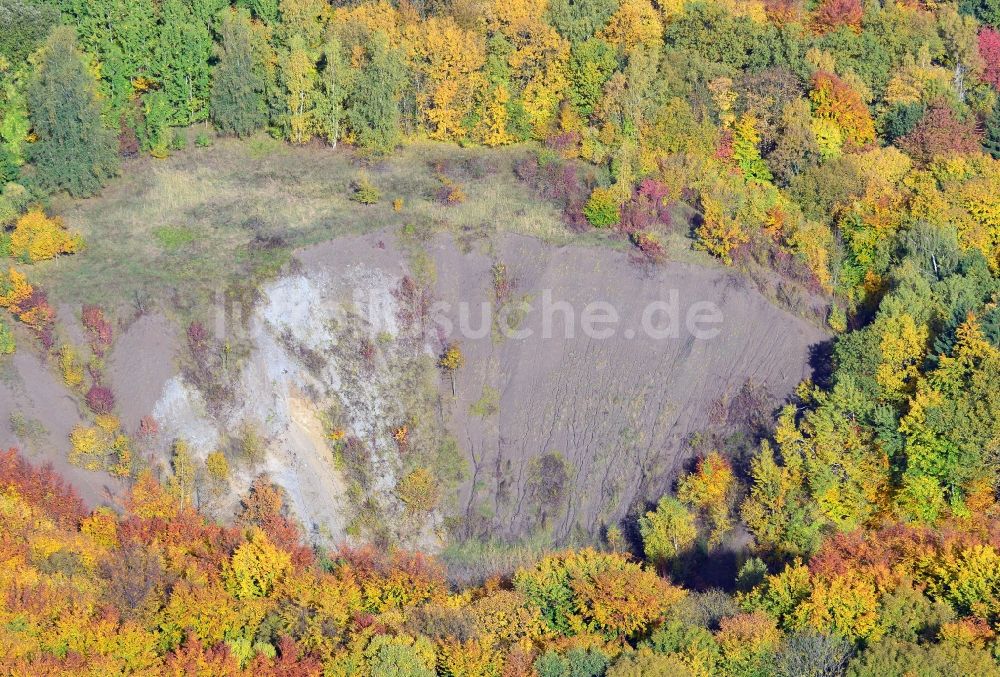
[(561, 434), (611, 414)]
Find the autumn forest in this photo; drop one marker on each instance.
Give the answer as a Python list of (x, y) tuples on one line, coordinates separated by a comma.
[(835, 161)]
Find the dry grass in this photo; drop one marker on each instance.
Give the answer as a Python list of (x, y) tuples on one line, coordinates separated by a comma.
[(183, 229)]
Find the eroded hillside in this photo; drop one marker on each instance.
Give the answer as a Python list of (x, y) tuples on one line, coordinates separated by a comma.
[(545, 428)]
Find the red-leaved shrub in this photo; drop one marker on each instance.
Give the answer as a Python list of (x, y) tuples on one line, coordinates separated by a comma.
[(98, 327), (197, 337), (100, 399)]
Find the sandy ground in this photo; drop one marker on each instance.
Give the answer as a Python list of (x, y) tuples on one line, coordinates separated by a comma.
[(142, 360), (31, 390), (302, 463), (618, 409)]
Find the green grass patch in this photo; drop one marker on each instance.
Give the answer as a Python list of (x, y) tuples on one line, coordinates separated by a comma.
[(172, 238)]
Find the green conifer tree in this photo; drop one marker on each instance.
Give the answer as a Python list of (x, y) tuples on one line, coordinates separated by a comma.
[(74, 151), (239, 87)]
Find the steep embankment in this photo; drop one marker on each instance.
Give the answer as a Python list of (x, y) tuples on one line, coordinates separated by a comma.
[(561, 429)]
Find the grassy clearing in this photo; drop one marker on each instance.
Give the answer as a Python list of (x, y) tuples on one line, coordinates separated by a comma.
[(206, 219), (177, 232)]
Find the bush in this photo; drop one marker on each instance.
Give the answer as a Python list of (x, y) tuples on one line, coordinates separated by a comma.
[(217, 466), (602, 209), (649, 244), (98, 327), (837, 319), (178, 140), (365, 192), (88, 447), (252, 446), (203, 140), (100, 399), (70, 366), (419, 491), (6, 340), (450, 192)]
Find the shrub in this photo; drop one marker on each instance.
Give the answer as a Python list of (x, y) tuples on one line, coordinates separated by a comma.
[(450, 192), (365, 192), (837, 319), (197, 337), (153, 128), (649, 244), (36, 312), (100, 399), (101, 333), (6, 340), (602, 209), (401, 435), (122, 449), (109, 423), (148, 427), (251, 444), (203, 140), (452, 358), (37, 238), (419, 491), (649, 205), (88, 447), (178, 140), (70, 366), (14, 291), (720, 234)]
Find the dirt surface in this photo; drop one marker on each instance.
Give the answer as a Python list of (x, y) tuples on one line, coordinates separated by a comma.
[(142, 360), (549, 428), (613, 413), (37, 414)]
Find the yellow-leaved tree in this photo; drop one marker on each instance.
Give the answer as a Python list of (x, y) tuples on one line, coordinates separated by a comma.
[(38, 237), (449, 60), (256, 567)]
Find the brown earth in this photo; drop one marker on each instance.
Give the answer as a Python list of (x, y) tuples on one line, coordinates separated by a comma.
[(618, 411), (563, 435), (141, 362), (35, 400)]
